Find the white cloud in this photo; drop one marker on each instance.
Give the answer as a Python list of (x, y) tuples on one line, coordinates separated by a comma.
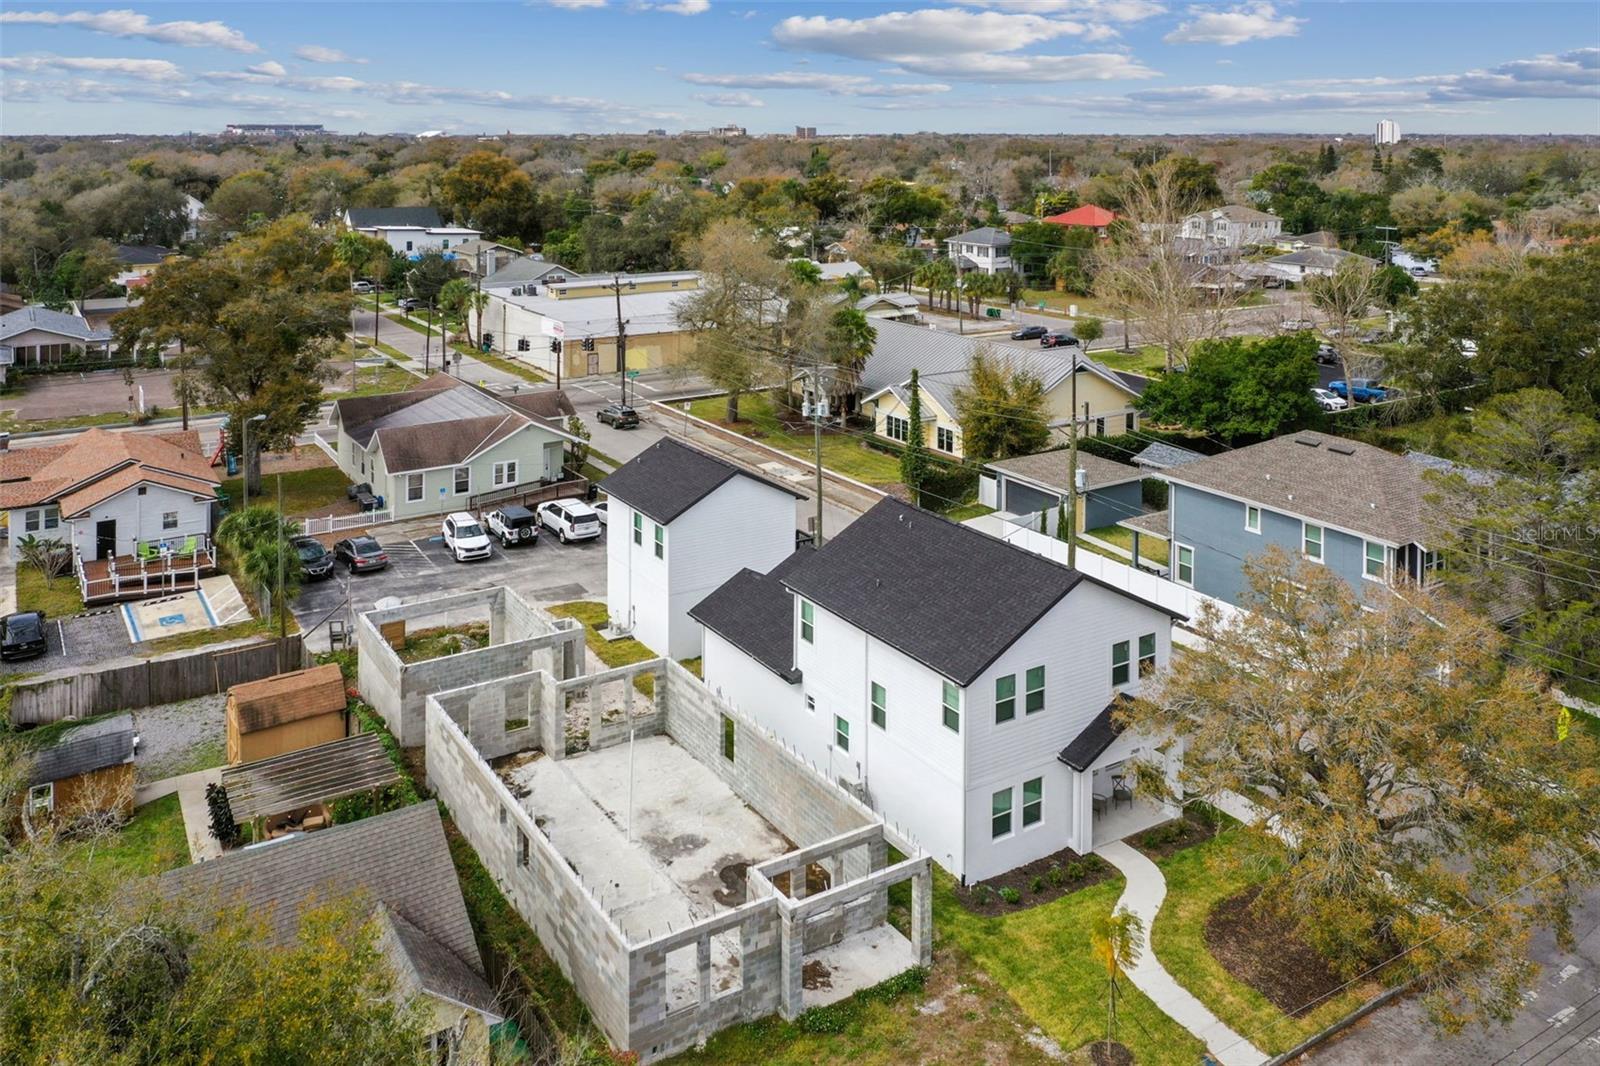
[(575, 5), (1098, 10), (686, 7), (1249, 22), (316, 53), (141, 69), (271, 68), (1567, 75), (729, 99), (124, 23), (971, 45), (832, 84)]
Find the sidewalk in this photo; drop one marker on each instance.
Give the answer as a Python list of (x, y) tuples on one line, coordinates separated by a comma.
[(1145, 891), (191, 790)]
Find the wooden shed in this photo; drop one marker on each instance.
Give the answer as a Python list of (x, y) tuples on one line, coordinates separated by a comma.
[(285, 713), (88, 771)]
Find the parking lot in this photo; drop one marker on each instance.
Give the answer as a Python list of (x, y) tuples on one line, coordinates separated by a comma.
[(420, 566)]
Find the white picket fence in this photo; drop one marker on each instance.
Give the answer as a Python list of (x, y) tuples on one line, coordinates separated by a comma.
[(338, 523)]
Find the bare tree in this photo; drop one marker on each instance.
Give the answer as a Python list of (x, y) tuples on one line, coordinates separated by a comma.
[(1149, 269), (1344, 297)]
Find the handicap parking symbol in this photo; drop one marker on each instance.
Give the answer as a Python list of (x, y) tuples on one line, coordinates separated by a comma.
[(170, 620)]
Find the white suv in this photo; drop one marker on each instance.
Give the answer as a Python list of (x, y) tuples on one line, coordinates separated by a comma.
[(569, 519), (465, 538)]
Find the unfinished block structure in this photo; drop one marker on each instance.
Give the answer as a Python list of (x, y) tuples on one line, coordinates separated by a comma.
[(522, 639), (684, 868)]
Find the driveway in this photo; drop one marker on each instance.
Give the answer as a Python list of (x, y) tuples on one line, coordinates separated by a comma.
[(1559, 1021), (420, 567)]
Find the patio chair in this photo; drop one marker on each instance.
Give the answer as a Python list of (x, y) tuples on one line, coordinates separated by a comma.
[(1120, 792), (148, 551), (189, 547)]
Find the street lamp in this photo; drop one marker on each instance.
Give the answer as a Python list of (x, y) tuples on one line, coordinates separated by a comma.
[(245, 446)]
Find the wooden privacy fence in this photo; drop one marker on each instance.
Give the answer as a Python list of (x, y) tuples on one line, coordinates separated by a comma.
[(204, 672)]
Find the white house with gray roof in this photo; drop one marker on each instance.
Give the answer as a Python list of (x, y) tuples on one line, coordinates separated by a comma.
[(411, 231), (965, 687), (681, 523), (37, 336), (1233, 226), (986, 250)]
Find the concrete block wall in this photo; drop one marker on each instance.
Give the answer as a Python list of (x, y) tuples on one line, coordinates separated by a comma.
[(589, 948), (603, 733), (484, 710)]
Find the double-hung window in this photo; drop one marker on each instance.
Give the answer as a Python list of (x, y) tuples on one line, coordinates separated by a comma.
[(1032, 802), (1147, 655), (896, 428), (945, 439), (1033, 700), (413, 488), (1005, 698), (808, 622), (463, 480), (661, 541), (505, 473), (1313, 542), (1120, 668), (1183, 566), (952, 707), (169, 520), (1377, 561), (1252, 519), (1000, 814), (638, 528), (841, 733), (880, 706)]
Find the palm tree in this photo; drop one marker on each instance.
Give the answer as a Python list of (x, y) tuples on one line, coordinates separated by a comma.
[(1118, 941)]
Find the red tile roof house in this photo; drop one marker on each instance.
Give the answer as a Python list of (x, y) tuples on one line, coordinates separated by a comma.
[(1088, 216), (113, 498)]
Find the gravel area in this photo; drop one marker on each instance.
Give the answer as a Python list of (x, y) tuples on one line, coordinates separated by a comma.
[(178, 738)]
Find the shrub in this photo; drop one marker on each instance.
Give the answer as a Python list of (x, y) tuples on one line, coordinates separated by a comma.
[(1036, 886), (1077, 871), (1010, 895), (1056, 875)]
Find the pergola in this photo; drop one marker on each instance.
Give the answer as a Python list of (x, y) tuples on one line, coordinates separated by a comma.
[(300, 779)]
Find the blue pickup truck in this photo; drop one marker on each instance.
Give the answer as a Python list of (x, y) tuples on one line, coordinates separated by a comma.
[(1360, 390)]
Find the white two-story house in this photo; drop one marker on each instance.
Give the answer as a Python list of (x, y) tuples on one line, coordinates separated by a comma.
[(986, 250), (411, 231), (966, 688), (681, 523), (1233, 227)]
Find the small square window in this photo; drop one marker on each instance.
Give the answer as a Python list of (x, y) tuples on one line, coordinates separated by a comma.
[(808, 622), (1313, 543), (880, 706), (727, 738), (952, 707), (1035, 694), (841, 733), (1147, 655), (1032, 802), (1000, 814), (1252, 519), (1119, 663), (1005, 698), (169, 519)]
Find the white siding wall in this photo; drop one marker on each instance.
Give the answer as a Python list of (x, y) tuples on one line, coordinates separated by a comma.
[(770, 701), (636, 581), (744, 523), (139, 518), (1073, 643)]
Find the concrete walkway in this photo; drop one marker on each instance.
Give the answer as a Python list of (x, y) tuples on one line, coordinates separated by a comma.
[(1145, 890), (8, 583), (191, 790)]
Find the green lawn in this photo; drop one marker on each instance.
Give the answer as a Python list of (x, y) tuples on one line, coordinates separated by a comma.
[(57, 599), (1041, 956), (1150, 359), (841, 452), (152, 842), (1151, 548), (966, 511), (1088, 306), (1199, 878), (305, 492), (613, 653), (377, 380)]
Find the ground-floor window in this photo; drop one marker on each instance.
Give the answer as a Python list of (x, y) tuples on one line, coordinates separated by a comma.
[(1000, 814), (40, 518), (505, 473), (896, 428), (413, 488), (945, 439), (42, 798), (1032, 802)]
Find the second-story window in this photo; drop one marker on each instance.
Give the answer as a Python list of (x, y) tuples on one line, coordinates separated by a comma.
[(638, 528), (1313, 542), (945, 439), (661, 541), (1252, 519), (952, 707), (1005, 698), (1183, 570), (1147, 655), (880, 706), (1034, 698), (808, 622), (1120, 666), (1377, 563)]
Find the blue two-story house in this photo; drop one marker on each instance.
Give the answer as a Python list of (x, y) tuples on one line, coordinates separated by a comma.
[(1354, 508)]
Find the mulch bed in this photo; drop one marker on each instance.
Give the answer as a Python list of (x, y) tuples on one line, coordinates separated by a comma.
[(1053, 875), (1102, 1053), (1264, 951), (1162, 840)]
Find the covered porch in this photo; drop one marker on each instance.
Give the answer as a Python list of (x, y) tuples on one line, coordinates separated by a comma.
[(1109, 806)]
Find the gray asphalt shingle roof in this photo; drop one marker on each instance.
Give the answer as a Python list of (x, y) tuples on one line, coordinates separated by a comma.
[(988, 236), (1092, 741), (519, 271), (669, 477), (39, 317), (1160, 456), (399, 859), (1322, 478), (435, 968), (368, 217), (84, 749), (755, 613), (1050, 469)]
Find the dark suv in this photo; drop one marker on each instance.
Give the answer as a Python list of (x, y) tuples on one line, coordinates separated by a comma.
[(619, 415), (1058, 340), (1028, 333), (316, 562)]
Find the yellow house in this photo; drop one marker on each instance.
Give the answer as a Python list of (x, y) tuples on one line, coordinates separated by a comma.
[(1105, 399)]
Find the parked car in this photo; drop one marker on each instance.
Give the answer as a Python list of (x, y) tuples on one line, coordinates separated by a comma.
[(1419, 272), (1328, 401), (316, 562), (1373, 336), (569, 520), (408, 303), (362, 287), (361, 553), (603, 509), (465, 538), (1360, 390), (1327, 355), (22, 636), (1468, 348), (513, 524), (1059, 340), (1028, 333), (1291, 325), (619, 415)]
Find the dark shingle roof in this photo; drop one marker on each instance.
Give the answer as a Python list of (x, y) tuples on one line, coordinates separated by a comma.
[(948, 596), (367, 217), (985, 235), (669, 477), (89, 747), (399, 859), (755, 613), (1095, 737), (435, 968), (142, 254), (1327, 479)]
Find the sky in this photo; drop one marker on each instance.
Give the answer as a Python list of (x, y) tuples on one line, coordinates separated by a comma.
[(1022, 66)]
